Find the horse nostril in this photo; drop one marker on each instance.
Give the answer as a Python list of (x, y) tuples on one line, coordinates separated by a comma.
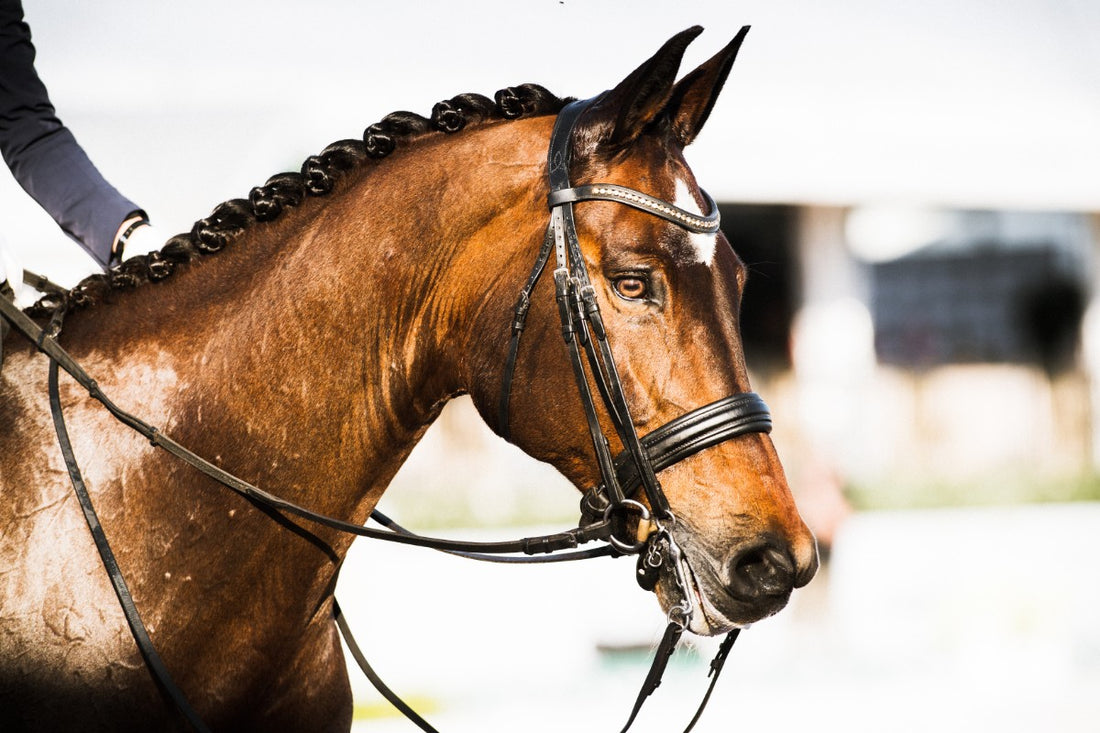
[(762, 571)]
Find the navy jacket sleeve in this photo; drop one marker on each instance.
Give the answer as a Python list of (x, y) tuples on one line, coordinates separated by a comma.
[(43, 154)]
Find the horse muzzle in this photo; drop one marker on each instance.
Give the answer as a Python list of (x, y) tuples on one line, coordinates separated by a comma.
[(714, 592)]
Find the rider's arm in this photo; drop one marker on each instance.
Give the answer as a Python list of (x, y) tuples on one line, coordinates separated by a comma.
[(43, 154)]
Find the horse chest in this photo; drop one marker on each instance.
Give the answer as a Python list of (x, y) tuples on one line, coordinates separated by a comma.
[(59, 619)]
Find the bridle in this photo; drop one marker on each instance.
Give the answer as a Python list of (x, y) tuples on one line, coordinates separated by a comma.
[(583, 330), (605, 508), (637, 465)]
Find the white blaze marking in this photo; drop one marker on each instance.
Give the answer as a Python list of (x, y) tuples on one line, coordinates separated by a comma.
[(703, 244)]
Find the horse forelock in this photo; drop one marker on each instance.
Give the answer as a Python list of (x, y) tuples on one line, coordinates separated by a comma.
[(318, 176)]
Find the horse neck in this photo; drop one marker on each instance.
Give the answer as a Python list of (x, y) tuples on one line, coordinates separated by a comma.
[(328, 341)]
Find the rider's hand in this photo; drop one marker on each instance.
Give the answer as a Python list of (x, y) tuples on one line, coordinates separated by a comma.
[(135, 237), (142, 241)]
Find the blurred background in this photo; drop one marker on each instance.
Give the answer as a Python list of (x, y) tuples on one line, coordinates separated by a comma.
[(916, 190)]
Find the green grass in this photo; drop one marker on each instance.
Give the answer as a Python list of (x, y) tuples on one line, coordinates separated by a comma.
[(377, 709), (998, 489)]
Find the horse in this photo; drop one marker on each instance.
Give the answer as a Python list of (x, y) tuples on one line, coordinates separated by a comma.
[(305, 337)]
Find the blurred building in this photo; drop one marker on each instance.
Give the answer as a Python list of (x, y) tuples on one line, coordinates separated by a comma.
[(918, 349)]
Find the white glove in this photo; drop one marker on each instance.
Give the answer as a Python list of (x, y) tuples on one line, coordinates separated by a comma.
[(142, 241)]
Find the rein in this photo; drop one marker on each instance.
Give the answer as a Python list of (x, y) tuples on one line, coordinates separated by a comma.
[(605, 508), (48, 345)]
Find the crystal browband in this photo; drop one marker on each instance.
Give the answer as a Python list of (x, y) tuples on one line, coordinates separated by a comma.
[(708, 224)]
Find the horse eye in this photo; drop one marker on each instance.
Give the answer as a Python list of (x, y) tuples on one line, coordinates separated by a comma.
[(631, 288)]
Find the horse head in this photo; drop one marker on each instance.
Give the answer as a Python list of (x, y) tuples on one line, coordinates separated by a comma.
[(669, 297)]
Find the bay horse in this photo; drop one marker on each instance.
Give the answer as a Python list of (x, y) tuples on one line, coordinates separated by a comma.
[(305, 338)]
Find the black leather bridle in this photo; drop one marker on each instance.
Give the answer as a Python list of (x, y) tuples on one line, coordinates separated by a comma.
[(637, 465), (583, 330), (604, 507)]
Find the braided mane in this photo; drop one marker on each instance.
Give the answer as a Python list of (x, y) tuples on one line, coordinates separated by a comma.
[(317, 177)]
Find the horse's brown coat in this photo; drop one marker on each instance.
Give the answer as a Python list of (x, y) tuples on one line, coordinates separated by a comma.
[(309, 357)]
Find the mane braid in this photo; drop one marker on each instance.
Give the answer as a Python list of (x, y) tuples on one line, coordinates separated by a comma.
[(317, 177)]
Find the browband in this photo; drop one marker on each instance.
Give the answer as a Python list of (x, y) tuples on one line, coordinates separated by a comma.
[(708, 224)]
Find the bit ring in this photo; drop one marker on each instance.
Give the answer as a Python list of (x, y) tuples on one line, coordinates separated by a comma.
[(643, 516)]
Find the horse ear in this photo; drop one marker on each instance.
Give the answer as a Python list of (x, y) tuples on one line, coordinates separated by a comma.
[(693, 98), (623, 113)]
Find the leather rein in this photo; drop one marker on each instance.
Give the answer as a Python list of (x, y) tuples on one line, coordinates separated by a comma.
[(606, 508)]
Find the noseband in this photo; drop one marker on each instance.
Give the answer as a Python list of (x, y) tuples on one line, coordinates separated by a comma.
[(583, 329)]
